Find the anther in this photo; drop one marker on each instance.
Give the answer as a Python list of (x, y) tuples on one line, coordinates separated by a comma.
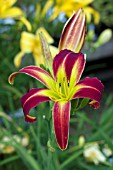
[(59, 84)]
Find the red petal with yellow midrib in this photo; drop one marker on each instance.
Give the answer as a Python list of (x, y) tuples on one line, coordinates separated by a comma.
[(61, 118), (35, 72), (91, 88), (30, 100)]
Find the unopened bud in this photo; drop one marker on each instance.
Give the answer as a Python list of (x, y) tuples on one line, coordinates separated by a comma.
[(74, 32)]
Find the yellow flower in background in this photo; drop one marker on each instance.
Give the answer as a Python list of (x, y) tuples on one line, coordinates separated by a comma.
[(7, 11), (30, 43), (72, 5), (93, 154), (7, 148)]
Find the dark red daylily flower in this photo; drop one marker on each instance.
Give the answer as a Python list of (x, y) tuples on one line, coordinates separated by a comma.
[(63, 82), (62, 87)]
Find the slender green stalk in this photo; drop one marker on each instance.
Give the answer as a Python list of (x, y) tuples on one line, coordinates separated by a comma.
[(50, 141)]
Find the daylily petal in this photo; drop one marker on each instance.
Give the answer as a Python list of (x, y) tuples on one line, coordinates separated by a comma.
[(91, 88), (55, 14), (47, 5), (31, 100), (90, 11), (27, 42), (18, 59), (38, 11), (75, 63), (38, 58), (26, 23), (68, 64), (11, 12), (7, 3), (7, 11), (73, 32), (37, 73), (82, 3), (61, 118), (59, 64), (54, 50), (81, 42)]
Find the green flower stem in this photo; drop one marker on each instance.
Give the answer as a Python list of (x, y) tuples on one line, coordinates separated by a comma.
[(50, 123), (49, 159), (51, 138)]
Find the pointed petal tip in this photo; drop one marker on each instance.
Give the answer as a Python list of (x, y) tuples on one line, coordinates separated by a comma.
[(32, 99), (94, 104), (63, 148), (80, 10), (30, 119), (12, 77)]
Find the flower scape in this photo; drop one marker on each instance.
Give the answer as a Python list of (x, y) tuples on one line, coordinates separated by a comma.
[(63, 82)]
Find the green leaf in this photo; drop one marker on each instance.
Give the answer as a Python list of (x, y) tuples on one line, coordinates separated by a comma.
[(26, 157), (74, 104), (83, 103)]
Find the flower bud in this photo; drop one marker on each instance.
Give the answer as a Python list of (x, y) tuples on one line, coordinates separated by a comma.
[(105, 36), (74, 31)]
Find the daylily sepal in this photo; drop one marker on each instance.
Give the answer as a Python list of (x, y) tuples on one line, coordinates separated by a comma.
[(61, 118)]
